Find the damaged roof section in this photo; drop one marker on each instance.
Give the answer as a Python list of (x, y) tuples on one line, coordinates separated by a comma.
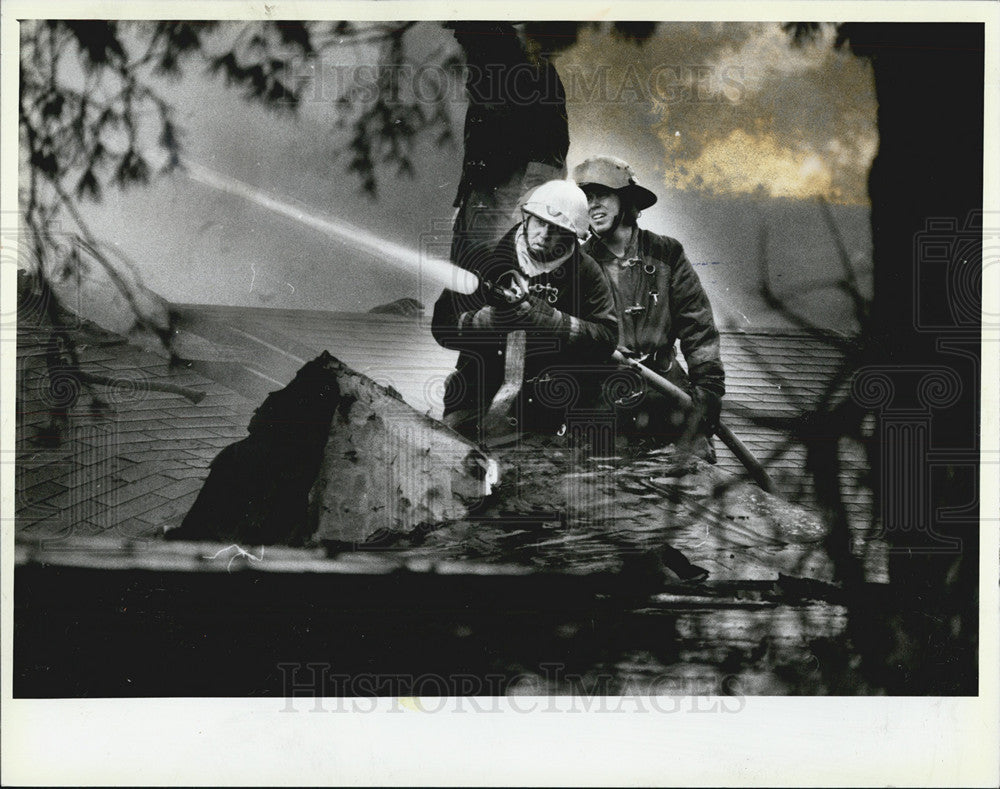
[(131, 464), (770, 375)]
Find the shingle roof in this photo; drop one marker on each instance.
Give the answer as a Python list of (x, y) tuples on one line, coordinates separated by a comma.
[(768, 373), (129, 467), (786, 374), (136, 466)]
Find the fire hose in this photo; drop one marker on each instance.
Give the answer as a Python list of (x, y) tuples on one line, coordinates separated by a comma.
[(511, 288), (446, 274), (753, 466)]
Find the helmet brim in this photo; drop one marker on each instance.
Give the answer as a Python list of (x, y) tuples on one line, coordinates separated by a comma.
[(639, 196)]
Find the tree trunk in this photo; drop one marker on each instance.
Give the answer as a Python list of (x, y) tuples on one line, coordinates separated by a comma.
[(922, 377)]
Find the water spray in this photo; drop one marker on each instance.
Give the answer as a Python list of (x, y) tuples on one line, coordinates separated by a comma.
[(440, 272), (447, 275)]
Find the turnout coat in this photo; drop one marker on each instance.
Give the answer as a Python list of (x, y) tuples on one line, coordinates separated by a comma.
[(659, 300), (573, 346)]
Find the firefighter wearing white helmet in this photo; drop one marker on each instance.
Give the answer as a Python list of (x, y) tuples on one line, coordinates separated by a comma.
[(561, 203), (658, 301), (556, 294)]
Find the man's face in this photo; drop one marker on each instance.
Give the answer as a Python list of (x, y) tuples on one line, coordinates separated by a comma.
[(546, 241), (604, 206)]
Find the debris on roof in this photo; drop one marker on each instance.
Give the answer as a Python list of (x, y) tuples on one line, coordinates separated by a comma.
[(408, 308), (334, 456), (135, 467)]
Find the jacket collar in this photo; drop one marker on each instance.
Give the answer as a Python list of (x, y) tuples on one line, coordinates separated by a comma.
[(598, 250)]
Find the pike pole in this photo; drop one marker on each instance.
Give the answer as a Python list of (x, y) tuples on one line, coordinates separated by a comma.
[(445, 274)]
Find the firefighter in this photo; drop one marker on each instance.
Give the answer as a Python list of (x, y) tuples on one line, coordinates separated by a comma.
[(658, 300), (552, 291)]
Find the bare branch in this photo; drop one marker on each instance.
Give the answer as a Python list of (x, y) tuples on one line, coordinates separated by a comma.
[(850, 284), (375, 35)]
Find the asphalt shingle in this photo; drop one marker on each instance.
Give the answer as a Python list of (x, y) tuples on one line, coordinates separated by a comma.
[(139, 464)]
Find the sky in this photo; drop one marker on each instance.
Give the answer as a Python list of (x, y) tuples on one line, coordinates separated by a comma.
[(737, 132)]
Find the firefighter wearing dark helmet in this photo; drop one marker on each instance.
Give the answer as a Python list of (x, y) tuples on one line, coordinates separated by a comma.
[(658, 300)]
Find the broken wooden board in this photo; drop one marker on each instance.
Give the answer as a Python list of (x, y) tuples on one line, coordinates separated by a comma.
[(388, 468), (335, 456)]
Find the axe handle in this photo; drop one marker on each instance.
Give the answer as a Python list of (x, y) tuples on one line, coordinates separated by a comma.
[(753, 466)]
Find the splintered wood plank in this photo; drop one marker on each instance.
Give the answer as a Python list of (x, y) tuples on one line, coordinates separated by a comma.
[(387, 467)]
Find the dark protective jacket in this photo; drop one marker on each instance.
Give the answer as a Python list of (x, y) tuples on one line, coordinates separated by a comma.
[(516, 133), (581, 334), (516, 112), (659, 300)]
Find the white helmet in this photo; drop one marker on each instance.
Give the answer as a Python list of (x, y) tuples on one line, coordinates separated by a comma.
[(561, 203)]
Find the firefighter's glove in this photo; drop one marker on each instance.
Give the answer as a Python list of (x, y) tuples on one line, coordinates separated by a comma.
[(707, 406), (701, 446), (484, 319), (532, 313)]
